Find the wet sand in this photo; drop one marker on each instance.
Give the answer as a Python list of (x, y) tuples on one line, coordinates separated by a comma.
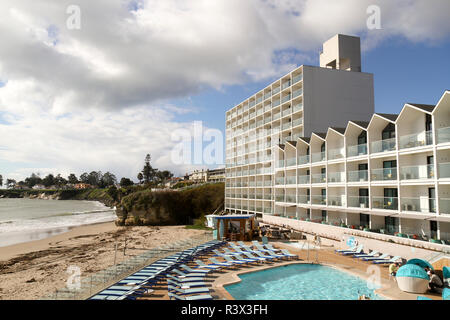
[(34, 269)]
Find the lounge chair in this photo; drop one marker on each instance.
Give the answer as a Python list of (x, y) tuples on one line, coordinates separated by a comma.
[(185, 280), (240, 249), (279, 256), (187, 275), (231, 260), (352, 248), (288, 254), (112, 297), (384, 261), (383, 256), (261, 248), (249, 260), (260, 254), (270, 247), (201, 264), (220, 254), (196, 270), (188, 291), (229, 252), (366, 255), (218, 263), (359, 250), (196, 297), (250, 256), (186, 285)]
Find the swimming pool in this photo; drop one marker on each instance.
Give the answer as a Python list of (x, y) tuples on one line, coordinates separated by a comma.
[(300, 282)]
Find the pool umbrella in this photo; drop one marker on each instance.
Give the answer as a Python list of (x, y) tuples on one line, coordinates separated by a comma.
[(412, 278), (420, 263)]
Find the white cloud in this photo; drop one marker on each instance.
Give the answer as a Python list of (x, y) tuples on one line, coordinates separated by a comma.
[(96, 96)]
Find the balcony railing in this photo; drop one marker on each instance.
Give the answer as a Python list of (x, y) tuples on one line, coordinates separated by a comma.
[(279, 198), (268, 95), (319, 200), (276, 90), (443, 135), (385, 174), (334, 177), (298, 107), (383, 146), (276, 116), (358, 176), (287, 125), (290, 199), (319, 178), (276, 102), (286, 98), (417, 172), (287, 112), (267, 197), (317, 157), (358, 202), (303, 199), (297, 78), (385, 203), (279, 181), (336, 201), (297, 93), (291, 162), (285, 85), (358, 150), (444, 206), (303, 179), (291, 180), (280, 164), (335, 154), (303, 160), (416, 140), (297, 122), (423, 204)]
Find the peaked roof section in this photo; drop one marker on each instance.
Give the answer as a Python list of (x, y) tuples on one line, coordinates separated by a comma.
[(362, 124), (320, 135), (388, 116), (424, 107), (292, 143), (305, 139), (339, 130)]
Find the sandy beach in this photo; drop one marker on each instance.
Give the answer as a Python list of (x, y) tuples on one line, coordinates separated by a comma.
[(34, 269)]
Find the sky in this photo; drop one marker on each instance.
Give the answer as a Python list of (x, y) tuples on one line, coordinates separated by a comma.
[(99, 85)]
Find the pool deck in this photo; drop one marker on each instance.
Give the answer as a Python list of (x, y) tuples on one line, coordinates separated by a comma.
[(326, 256)]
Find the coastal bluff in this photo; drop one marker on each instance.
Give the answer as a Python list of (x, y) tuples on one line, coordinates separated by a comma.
[(141, 206)]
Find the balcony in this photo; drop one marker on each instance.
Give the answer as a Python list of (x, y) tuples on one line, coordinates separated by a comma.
[(276, 90), (385, 203), (303, 160), (279, 198), (297, 122), (303, 199), (287, 126), (386, 174), (267, 120), (291, 180), (416, 140), (285, 85), (318, 157), (335, 201), (268, 210), (319, 178), (358, 202), (268, 95), (259, 196), (297, 78), (319, 200), (444, 206), (280, 164), (383, 146), (443, 135), (267, 197), (259, 100), (334, 154), (297, 93), (279, 181), (423, 204), (358, 176), (335, 177), (276, 116), (286, 98), (358, 150), (290, 199), (417, 172), (303, 179), (276, 102), (298, 107), (291, 162)]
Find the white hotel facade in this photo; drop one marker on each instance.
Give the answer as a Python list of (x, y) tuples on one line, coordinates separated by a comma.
[(310, 148)]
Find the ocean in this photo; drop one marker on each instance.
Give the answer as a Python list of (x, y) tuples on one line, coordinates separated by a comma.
[(23, 220)]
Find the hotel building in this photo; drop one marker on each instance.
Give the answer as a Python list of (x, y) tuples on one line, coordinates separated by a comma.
[(382, 173)]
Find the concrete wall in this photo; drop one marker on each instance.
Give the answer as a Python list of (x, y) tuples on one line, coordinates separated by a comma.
[(333, 97)]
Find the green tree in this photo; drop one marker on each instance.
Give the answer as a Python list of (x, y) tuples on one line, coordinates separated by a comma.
[(108, 179), (33, 180), (84, 178), (10, 183), (140, 177), (49, 180), (148, 172), (60, 181), (163, 176), (72, 178), (125, 182)]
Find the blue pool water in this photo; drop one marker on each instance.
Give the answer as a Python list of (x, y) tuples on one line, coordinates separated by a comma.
[(300, 282)]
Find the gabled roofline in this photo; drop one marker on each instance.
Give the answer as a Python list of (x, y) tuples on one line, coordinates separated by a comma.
[(352, 122)]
